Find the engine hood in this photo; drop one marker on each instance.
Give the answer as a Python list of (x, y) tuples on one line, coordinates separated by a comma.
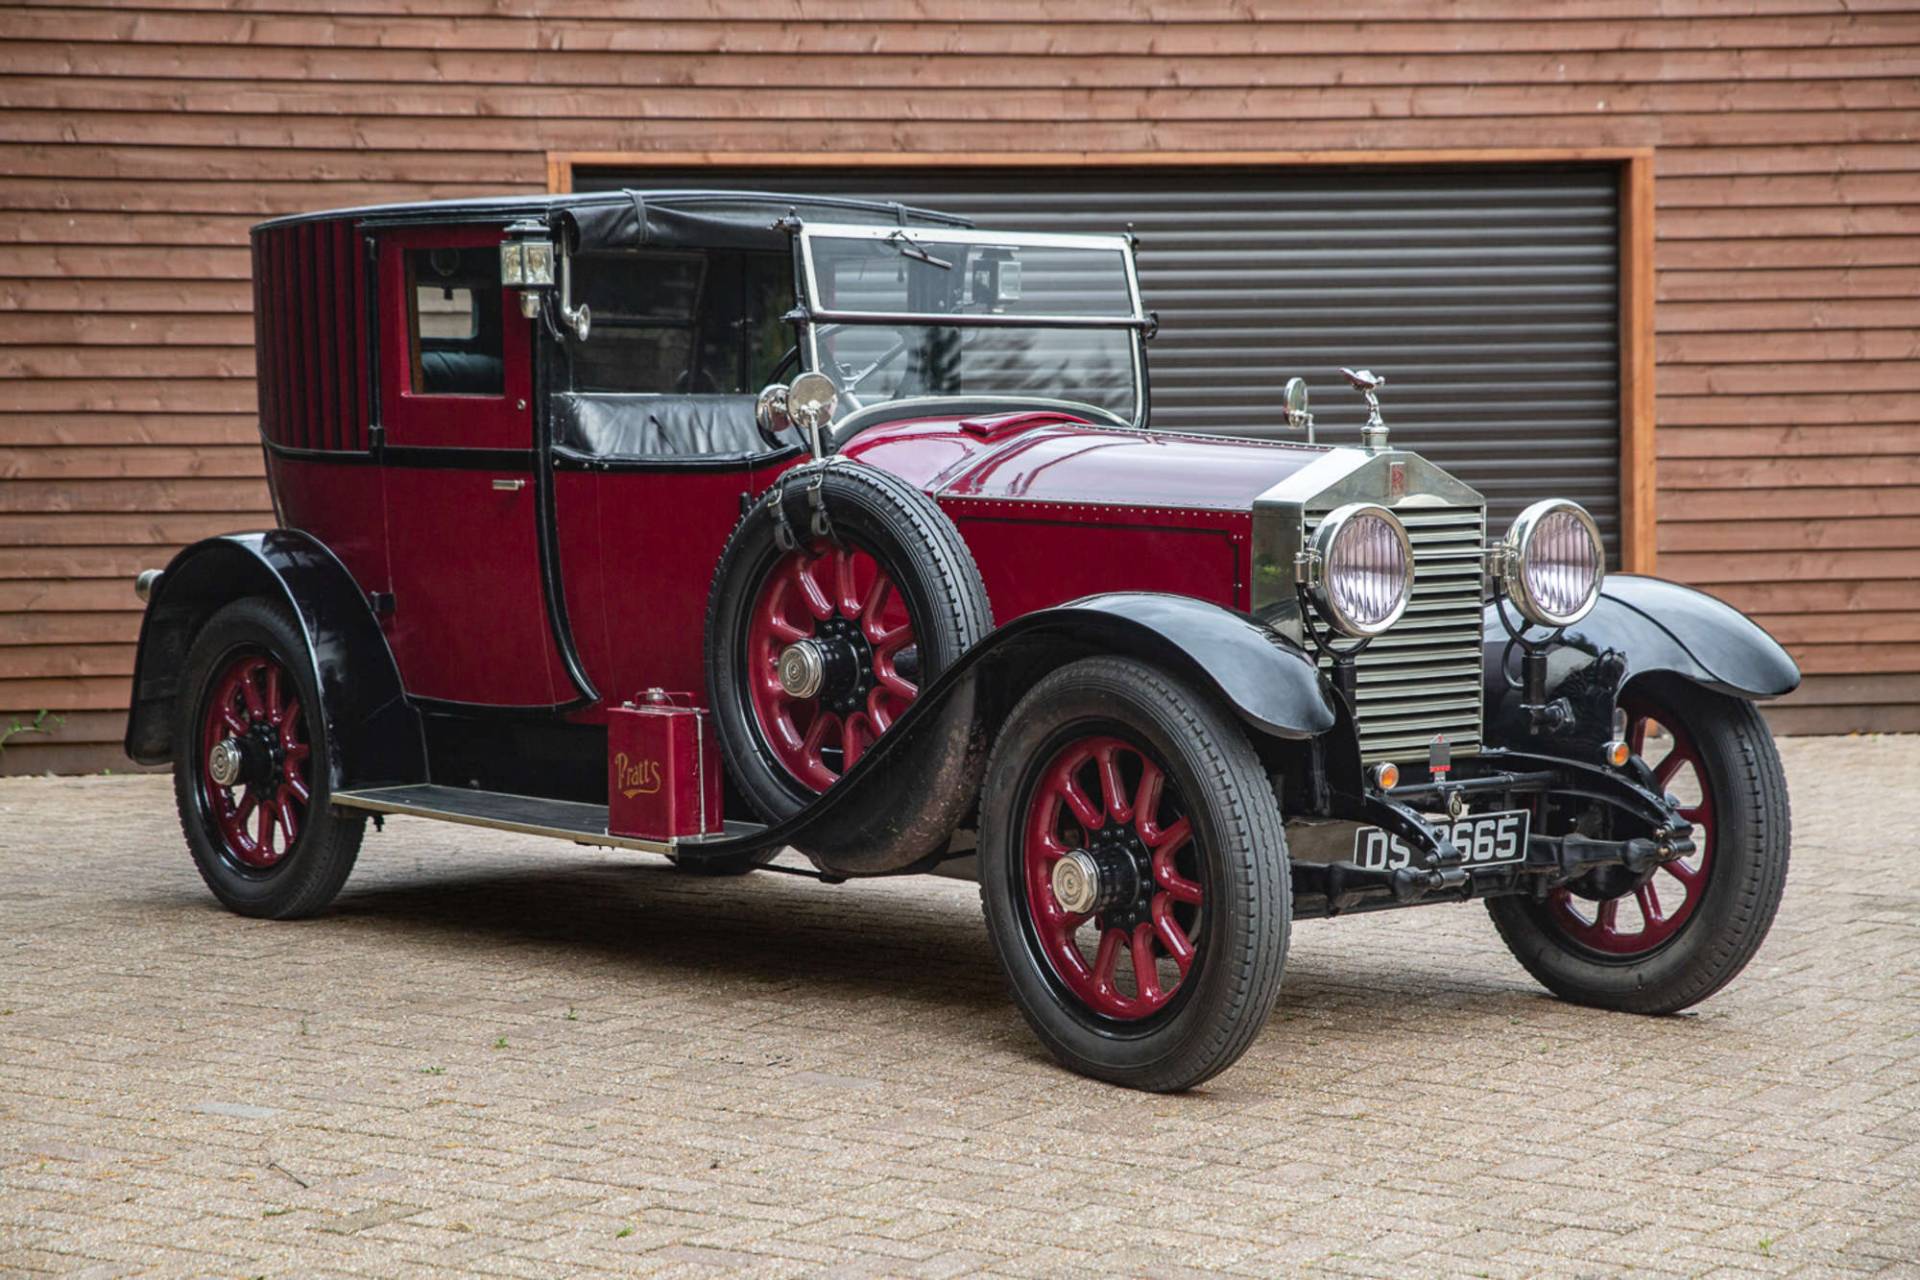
[(1040, 457)]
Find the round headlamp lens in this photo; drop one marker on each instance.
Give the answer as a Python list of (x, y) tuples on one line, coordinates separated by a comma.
[(1557, 563), (1366, 569)]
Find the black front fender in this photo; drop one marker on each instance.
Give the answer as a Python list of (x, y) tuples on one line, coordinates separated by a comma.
[(1268, 681), (875, 821), (1657, 627), (375, 735)]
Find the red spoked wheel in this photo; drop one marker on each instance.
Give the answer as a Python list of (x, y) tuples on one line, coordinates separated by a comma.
[(1657, 942), (1113, 878), (1654, 910), (832, 659), (255, 761)]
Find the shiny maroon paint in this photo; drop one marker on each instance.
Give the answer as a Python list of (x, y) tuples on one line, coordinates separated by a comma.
[(806, 592), (258, 819), (1663, 905), (1060, 462), (637, 554), (501, 421), (469, 621), (310, 335), (1052, 508), (341, 501), (1103, 509), (1102, 783), (1036, 555)]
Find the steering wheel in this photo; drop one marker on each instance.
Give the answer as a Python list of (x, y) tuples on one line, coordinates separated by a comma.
[(850, 379), (788, 363)]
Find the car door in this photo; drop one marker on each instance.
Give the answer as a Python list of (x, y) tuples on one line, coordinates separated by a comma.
[(469, 621), (646, 496)]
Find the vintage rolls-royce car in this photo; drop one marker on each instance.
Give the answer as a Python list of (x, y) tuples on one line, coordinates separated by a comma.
[(713, 525)]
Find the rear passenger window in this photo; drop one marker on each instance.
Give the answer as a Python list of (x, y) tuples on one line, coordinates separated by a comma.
[(455, 323)]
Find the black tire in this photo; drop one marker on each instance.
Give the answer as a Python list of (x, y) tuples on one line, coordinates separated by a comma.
[(1751, 837), (309, 872), (1240, 934), (878, 515)]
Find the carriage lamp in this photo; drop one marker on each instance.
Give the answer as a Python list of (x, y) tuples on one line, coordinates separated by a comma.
[(526, 264), (1551, 563), (1359, 569)]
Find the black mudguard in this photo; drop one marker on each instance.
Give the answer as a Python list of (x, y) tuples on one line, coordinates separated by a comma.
[(874, 821), (375, 736), (1653, 626)]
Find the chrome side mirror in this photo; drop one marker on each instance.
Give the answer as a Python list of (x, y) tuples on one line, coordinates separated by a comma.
[(579, 319), (1295, 399), (811, 401), (770, 412)]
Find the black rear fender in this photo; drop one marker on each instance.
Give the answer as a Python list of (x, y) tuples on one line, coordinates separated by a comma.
[(375, 735)]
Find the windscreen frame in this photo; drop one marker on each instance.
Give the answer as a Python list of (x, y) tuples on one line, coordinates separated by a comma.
[(808, 317)]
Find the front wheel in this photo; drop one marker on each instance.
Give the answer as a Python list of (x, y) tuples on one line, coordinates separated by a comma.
[(1133, 871), (1661, 941)]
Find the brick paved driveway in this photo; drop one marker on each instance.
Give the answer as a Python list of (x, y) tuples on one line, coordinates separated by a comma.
[(500, 1057)]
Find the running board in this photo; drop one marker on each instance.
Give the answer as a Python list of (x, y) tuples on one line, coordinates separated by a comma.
[(557, 819)]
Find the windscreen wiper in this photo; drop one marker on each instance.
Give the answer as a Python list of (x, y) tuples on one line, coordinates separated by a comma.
[(910, 248)]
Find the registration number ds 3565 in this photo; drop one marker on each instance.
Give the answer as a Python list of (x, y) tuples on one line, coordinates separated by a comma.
[(1486, 839)]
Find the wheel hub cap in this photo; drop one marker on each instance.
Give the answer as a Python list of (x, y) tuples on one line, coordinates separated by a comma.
[(225, 763), (826, 640), (1109, 874), (802, 669), (257, 758), (1112, 877), (1626, 914)]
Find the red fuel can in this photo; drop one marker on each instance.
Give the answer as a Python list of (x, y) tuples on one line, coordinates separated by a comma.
[(663, 768)]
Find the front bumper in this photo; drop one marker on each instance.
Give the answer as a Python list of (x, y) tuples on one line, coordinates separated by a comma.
[(1327, 882)]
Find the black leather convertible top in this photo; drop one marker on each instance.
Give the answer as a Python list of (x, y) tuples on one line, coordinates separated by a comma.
[(607, 221), (631, 427)]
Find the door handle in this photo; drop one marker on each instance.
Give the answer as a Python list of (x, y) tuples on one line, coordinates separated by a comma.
[(509, 486)]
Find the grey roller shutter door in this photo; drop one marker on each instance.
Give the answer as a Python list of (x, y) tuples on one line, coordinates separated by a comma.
[(1488, 297)]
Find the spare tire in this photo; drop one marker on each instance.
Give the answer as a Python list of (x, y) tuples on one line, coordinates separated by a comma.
[(843, 592)]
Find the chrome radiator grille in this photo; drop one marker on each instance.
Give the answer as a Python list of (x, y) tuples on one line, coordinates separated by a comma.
[(1423, 677)]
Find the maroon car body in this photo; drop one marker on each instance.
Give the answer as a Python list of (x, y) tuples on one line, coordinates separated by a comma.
[(541, 564)]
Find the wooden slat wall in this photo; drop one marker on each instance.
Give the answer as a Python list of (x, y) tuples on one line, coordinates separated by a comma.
[(138, 144)]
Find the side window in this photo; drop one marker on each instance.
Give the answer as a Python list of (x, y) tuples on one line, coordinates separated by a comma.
[(683, 323), (453, 316)]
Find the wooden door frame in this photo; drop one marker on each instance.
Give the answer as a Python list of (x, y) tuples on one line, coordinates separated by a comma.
[(1635, 165)]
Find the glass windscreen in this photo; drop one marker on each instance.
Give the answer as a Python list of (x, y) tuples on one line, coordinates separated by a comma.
[(888, 294)]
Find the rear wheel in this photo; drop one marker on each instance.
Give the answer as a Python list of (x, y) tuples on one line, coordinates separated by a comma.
[(1133, 871), (1660, 941), (249, 768)]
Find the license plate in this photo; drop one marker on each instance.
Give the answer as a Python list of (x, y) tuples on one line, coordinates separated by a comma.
[(1487, 840)]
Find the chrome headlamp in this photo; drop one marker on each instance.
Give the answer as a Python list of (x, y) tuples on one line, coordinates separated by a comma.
[(1553, 563), (1362, 569)]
